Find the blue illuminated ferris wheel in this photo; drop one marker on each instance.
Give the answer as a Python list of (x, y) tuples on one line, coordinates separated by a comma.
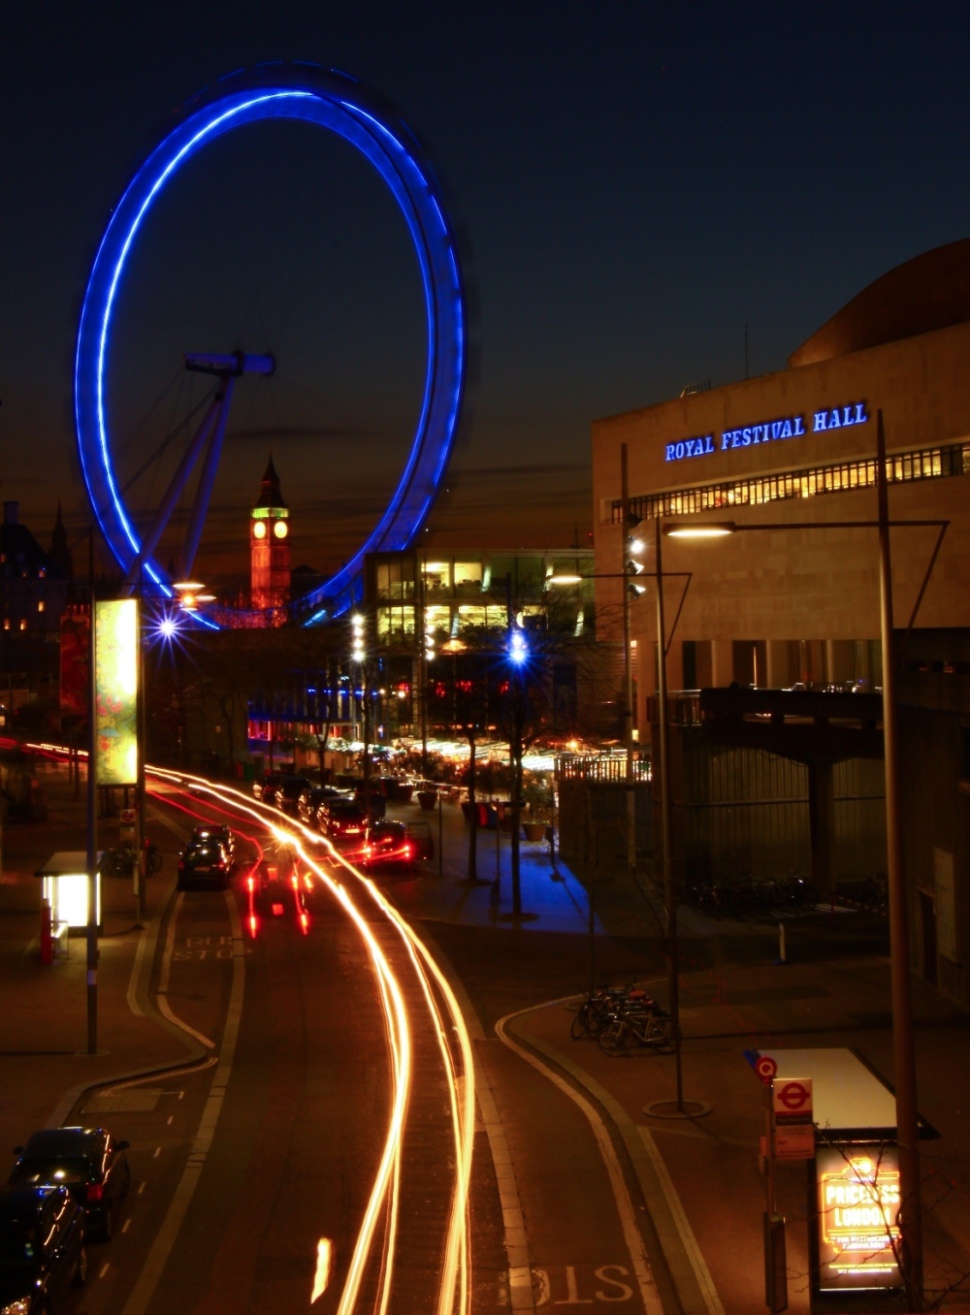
[(309, 94)]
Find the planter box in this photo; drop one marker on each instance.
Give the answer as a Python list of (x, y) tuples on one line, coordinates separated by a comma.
[(534, 830), (428, 799)]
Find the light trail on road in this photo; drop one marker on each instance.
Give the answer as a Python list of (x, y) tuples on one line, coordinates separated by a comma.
[(444, 1015)]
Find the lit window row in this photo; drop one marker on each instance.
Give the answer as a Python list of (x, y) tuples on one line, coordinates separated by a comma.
[(903, 468)]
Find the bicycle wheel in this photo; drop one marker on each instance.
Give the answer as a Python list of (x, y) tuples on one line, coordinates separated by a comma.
[(579, 1027), (616, 1038), (658, 1034)]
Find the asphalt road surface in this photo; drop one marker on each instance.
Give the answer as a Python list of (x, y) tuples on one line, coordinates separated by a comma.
[(253, 1172)]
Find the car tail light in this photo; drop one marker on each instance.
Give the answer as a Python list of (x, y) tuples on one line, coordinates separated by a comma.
[(407, 851), (95, 1192)]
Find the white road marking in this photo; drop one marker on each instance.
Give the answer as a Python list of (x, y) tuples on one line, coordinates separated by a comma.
[(628, 1219), (126, 1225), (161, 1001), (161, 1249), (141, 1188), (158, 1151), (104, 1269), (169, 1119)]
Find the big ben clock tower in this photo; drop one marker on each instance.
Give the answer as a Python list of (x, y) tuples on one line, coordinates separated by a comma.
[(269, 547)]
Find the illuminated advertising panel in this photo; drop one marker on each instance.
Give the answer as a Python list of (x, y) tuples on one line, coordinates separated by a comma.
[(75, 682), (858, 1201), (116, 672)]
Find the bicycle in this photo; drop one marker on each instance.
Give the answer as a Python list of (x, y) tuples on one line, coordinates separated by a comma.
[(648, 1026), (121, 861), (596, 1010)]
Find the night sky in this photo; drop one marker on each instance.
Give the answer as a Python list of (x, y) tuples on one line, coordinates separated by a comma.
[(633, 184)]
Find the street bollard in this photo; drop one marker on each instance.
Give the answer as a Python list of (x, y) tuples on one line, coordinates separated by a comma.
[(46, 937)]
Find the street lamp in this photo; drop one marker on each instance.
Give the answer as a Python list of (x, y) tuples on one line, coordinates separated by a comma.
[(904, 1057)]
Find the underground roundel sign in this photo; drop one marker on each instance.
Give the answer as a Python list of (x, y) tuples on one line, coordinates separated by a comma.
[(792, 1098)]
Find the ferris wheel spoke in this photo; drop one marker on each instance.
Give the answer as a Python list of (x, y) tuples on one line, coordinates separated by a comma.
[(206, 480)]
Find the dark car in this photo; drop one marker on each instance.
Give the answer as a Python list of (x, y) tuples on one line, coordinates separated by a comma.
[(223, 835), (387, 845), (264, 790), (343, 822), (42, 1251), (419, 834), (313, 797), (288, 794), (89, 1162), (204, 864)]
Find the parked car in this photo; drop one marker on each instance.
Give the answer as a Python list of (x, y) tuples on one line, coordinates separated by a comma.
[(89, 1162), (419, 834), (205, 863), (264, 790), (42, 1251), (343, 821), (222, 834), (387, 845), (310, 800), (288, 794)]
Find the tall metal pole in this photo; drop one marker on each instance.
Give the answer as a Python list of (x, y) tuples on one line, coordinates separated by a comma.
[(904, 1056), (141, 820), (629, 784), (663, 777), (92, 818)]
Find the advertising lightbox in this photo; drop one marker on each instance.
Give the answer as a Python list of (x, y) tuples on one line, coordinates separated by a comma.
[(858, 1204), (116, 672)]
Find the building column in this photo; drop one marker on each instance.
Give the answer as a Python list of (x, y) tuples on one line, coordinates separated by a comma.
[(722, 662), (777, 675)]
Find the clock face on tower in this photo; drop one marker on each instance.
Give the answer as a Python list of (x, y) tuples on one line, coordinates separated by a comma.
[(280, 529), (259, 529)]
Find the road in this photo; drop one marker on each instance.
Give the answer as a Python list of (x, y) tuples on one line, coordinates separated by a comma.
[(332, 1144)]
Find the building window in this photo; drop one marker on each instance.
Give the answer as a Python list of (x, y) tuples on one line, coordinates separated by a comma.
[(40, 605), (902, 467), (23, 623)]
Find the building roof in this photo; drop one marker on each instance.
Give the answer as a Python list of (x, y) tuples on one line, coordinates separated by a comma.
[(931, 291), (269, 488)]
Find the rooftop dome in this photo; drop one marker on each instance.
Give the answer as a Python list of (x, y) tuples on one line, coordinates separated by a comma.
[(931, 291)]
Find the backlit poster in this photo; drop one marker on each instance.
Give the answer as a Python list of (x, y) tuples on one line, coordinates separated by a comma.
[(116, 672), (858, 1201)]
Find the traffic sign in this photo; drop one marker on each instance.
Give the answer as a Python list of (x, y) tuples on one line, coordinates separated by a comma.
[(766, 1068), (792, 1099)]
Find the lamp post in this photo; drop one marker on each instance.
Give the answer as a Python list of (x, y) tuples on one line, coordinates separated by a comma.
[(904, 1056)]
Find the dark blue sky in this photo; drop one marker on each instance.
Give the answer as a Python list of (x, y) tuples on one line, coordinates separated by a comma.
[(635, 182)]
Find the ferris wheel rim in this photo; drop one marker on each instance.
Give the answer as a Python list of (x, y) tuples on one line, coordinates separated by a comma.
[(337, 103)]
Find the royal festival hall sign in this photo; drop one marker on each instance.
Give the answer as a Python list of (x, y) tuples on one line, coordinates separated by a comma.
[(768, 431)]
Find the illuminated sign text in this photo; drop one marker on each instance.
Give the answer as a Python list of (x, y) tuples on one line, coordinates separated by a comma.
[(858, 1201), (768, 431)]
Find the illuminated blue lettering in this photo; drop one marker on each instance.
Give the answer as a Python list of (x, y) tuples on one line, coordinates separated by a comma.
[(709, 443), (860, 413), (834, 421), (680, 451), (670, 452), (820, 421), (785, 429), (799, 427), (745, 437)]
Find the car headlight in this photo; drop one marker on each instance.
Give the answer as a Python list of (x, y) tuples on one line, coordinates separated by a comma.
[(19, 1307)]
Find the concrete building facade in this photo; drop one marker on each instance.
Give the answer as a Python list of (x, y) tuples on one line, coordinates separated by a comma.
[(797, 445)]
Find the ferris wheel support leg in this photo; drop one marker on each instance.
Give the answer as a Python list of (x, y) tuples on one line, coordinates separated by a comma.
[(207, 479), (172, 495)]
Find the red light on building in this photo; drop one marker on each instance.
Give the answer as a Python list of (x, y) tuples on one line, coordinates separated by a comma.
[(269, 550)]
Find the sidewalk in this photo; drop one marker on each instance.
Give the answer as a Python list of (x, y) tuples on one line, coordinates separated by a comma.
[(733, 997), (43, 1024)]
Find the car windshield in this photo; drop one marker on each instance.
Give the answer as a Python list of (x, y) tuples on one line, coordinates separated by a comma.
[(56, 1170), (205, 854)]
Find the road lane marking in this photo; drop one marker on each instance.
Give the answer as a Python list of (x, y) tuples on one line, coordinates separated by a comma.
[(141, 1188), (169, 1120), (628, 1220), (516, 1238), (126, 1225), (161, 1249), (104, 1269), (699, 1265), (162, 991), (158, 1151)]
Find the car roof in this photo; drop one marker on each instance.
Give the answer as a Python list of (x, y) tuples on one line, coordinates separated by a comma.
[(59, 1141)]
